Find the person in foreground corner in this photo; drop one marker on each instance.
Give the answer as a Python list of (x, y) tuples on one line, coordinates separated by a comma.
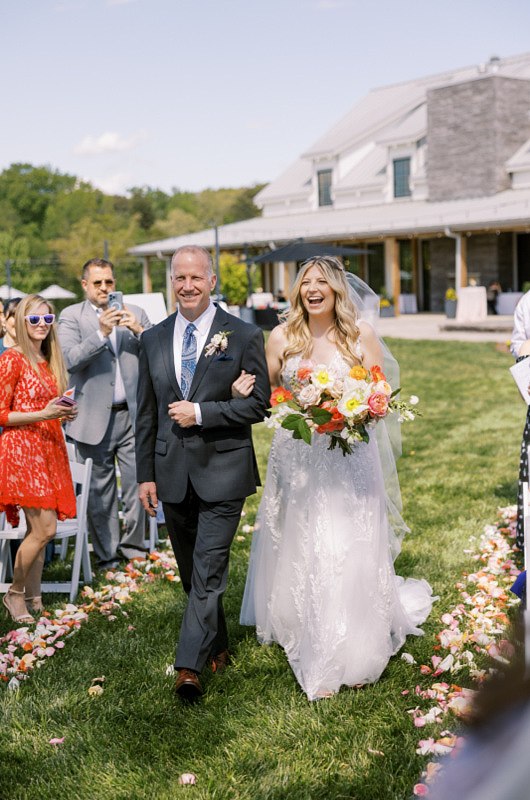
[(194, 448), (520, 349), (321, 579)]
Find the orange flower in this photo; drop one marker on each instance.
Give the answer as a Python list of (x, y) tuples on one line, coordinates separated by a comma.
[(336, 423), (377, 373), (303, 373), (358, 373), (280, 395)]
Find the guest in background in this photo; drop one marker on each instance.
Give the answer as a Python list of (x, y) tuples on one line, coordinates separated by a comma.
[(34, 471), (9, 335), (492, 292), (520, 347), (101, 346)]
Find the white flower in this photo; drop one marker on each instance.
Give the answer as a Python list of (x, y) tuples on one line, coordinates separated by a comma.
[(383, 387), (352, 403), (413, 400), (337, 389), (217, 344), (309, 395), (322, 377)]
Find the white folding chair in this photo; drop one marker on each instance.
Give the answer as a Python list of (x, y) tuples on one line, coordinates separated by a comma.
[(67, 529)]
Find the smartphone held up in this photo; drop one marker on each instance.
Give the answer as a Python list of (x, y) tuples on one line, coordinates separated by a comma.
[(115, 301)]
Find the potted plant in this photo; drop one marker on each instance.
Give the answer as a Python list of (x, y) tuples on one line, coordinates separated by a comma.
[(386, 306), (450, 303)]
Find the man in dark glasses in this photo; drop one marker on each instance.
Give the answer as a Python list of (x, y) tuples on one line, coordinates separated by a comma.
[(100, 346)]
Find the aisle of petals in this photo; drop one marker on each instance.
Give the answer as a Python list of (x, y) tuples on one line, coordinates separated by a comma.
[(475, 626), (26, 648)]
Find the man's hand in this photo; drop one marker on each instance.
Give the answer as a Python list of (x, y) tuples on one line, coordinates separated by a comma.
[(128, 320), (524, 350), (183, 413), (108, 320), (148, 497)]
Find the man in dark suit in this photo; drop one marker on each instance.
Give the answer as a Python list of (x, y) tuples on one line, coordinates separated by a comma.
[(194, 448), (100, 347)]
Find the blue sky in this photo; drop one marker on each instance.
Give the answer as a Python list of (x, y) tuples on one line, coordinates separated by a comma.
[(209, 93)]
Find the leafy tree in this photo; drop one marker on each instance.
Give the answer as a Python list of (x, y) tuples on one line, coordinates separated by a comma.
[(86, 240), (29, 190), (234, 280)]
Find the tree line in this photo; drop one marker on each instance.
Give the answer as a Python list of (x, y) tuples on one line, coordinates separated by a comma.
[(52, 222)]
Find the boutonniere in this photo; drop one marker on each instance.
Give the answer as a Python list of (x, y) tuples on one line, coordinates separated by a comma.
[(217, 344)]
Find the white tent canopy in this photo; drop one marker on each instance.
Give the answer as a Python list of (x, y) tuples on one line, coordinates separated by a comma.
[(8, 293), (55, 292)]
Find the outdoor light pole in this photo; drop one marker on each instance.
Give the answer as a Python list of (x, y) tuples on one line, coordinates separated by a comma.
[(217, 265), (248, 266)]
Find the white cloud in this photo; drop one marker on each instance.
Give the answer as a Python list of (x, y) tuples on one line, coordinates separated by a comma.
[(119, 2), (108, 142)]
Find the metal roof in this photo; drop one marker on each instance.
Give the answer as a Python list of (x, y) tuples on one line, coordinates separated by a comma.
[(504, 210)]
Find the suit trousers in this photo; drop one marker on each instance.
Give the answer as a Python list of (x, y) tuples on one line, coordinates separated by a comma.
[(201, 534), (103, 520)]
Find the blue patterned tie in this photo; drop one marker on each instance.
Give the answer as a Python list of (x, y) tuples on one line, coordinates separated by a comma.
[(189, 359)]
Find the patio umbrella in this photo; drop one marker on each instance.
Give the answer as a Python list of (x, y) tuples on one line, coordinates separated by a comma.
[(8, 292), (300, 250), (55, 292)]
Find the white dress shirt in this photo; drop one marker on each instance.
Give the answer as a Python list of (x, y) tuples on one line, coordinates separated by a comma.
[(521, 324), (202, 325), (118, 395)]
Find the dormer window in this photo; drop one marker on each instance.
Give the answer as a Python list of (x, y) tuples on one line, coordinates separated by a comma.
[(402, 177), (324, 187)]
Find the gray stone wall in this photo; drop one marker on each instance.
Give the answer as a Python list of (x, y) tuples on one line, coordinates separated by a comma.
[(442, 252), (473, 128), (489, 258)]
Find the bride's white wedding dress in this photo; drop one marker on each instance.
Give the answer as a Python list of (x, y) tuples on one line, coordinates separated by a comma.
[(321, 579)]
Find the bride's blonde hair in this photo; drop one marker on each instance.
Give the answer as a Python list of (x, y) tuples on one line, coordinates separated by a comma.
[(296, 319)]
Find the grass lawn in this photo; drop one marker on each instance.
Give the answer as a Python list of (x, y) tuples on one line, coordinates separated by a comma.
[(254, 735)]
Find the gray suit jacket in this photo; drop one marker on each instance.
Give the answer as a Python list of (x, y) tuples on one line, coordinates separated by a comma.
[(91, 363), (217, 456)]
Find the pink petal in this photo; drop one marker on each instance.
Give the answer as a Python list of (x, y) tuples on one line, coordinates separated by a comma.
[(56, 741)]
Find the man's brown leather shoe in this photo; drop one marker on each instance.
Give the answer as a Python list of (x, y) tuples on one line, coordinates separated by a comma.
[(220, 662), (188, 685)]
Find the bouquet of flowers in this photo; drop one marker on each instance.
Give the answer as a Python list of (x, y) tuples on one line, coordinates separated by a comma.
[(344, 408)]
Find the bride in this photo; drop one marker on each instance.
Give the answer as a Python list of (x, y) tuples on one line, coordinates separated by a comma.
[(321, 580)]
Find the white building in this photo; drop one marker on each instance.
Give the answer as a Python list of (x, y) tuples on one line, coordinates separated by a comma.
[(432, 175)]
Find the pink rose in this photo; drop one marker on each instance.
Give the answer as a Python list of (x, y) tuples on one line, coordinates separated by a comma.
[(309, 395), (378, 404)]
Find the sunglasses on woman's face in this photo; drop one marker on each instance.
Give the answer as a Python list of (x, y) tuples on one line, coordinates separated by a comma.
[(36, 319)]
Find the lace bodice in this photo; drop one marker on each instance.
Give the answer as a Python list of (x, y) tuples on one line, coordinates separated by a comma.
[(337, 364)]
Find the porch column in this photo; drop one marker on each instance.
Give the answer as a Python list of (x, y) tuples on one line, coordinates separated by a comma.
[(463, 260), (147, 285), (170, 297), (392, 276)]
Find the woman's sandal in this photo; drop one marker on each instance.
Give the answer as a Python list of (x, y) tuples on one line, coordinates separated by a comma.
[(20, 618), (35, 604)]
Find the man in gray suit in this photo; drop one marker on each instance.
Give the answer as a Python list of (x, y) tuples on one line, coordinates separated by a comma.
[(194, 448), (100, 346)]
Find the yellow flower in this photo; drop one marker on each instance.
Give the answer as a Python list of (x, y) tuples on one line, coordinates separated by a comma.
[(358, 373)]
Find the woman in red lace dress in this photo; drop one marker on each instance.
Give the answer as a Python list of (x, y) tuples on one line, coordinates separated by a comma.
[(34, 471)]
